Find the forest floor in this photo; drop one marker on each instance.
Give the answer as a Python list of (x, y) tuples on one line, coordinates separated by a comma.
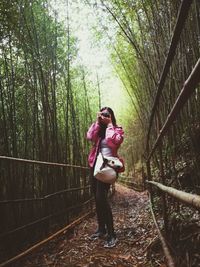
[(135, 232)]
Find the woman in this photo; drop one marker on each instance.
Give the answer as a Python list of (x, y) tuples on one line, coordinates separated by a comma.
[(106, 137)]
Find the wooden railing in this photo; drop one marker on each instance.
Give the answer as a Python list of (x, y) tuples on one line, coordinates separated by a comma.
[(66, 197)]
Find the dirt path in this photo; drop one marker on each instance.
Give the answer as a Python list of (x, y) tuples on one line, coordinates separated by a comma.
[(135, 233)]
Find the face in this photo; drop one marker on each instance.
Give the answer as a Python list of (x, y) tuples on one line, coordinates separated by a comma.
[(105, 113), (104, 117)]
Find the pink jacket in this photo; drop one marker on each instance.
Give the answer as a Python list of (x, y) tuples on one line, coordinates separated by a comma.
[(114, 137)]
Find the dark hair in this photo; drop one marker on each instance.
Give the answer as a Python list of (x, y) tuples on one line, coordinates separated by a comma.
[(102, 131), (113, 119)]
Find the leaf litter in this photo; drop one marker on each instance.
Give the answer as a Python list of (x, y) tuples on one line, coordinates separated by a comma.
[(135, 231)]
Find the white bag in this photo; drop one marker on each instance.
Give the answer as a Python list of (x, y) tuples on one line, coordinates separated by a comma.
[(105, 168)]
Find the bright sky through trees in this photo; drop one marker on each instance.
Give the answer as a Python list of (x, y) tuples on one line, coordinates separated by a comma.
[(93, 52)]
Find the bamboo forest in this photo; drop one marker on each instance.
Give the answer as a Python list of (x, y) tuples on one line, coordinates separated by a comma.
[(61, 63)]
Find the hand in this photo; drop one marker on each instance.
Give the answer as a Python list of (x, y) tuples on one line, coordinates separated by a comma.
[(99, 117)]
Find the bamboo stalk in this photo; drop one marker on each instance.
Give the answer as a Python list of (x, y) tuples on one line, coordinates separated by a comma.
[(188, 88), (182, 16), (170, 261), (43, 162), (187, 198)]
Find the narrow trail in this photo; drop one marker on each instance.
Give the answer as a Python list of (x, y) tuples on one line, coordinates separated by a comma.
[(135, 233)]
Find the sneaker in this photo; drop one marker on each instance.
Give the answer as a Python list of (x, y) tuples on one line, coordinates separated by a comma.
[(97, 235), (111, 242)]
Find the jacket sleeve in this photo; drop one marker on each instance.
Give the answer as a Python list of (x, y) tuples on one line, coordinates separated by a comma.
[(92, 133), (114, 136)]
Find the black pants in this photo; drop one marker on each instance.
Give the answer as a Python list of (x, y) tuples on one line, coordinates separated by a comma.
[(103, 210)]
